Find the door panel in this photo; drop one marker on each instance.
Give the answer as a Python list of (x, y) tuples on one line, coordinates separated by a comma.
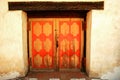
[(42, 43), (69, 43)]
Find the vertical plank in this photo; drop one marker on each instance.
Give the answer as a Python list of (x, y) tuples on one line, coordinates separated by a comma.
[(70, 40)]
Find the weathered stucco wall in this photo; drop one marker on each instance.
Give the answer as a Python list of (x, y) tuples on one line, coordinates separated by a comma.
[(24, 41), (13, 50), (105, 41)]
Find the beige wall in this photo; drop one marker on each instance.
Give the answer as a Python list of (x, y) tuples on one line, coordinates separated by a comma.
[(24, 41), (105, 41), (13, 53)]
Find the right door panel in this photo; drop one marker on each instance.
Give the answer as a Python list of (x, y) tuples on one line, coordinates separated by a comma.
[(69, 41)]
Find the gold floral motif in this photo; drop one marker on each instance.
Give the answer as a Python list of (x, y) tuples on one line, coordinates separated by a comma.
[(37, 60), (64, 46), (47, 45), (74, 29), (74, 60), (47, 29), (37, 29), (37, 45), (64, 29), (75, 45), (65, 61), (48, 60)]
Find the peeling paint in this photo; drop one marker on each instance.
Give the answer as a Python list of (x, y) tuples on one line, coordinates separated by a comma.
[(9, 75), (113, 75)]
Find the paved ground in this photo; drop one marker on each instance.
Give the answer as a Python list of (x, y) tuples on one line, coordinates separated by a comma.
[(55, 76)]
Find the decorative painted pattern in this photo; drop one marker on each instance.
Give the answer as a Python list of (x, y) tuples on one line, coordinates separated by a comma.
[(64, 29), (37, 60), (48, 60), (69, 41), (74, 60), (47, 45), (37, 29), (37, 45), (47, 29), (74, 29), (42, 44)]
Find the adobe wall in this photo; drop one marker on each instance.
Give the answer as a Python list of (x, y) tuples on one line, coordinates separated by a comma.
[(103, 54), (13, 42)]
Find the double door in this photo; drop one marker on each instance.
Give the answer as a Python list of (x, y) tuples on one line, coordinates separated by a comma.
[(56, 43)]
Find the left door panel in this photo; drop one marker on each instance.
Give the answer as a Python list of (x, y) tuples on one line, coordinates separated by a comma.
[(42, 40)]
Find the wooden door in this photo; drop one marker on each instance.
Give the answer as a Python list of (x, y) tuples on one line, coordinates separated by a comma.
[(69, 41), (56, 43), (42, 49)]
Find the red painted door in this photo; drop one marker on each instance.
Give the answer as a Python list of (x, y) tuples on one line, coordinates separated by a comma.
[(56, 43), (70, 43), (42, 43)]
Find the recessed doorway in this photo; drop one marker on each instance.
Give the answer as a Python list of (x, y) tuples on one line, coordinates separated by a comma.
[(56, 42)]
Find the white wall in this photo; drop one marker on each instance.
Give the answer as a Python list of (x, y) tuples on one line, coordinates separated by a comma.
[(13, 53), (105, 41)]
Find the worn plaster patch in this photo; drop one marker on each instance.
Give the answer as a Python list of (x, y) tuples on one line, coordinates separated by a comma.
[(114, 75), (9, 75)]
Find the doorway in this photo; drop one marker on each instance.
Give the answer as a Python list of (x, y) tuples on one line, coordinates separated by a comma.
[(56, 43)]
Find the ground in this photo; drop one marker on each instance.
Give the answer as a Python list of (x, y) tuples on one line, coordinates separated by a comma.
[(63, 75)]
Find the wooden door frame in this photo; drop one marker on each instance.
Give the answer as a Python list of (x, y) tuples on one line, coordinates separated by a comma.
[(56, 6)]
